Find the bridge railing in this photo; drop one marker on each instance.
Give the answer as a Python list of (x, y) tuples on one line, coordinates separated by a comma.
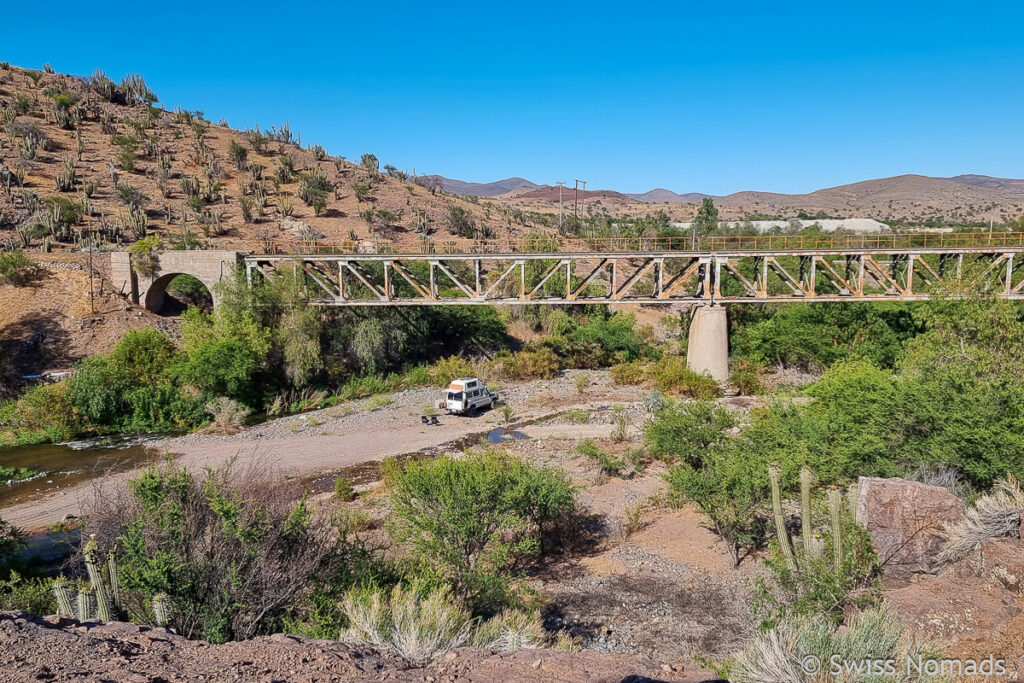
[(549, 245)]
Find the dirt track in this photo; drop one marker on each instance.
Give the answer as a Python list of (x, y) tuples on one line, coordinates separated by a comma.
[(330, 439)]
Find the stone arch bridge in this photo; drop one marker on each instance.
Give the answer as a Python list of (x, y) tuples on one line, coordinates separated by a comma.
[(209, 267)]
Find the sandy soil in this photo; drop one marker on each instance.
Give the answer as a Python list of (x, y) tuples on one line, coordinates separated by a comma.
[(348, 434)]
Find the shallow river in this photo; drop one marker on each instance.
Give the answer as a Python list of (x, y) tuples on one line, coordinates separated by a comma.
[(64, 465)]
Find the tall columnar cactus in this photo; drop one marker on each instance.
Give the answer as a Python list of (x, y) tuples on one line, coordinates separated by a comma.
[(84, 603), (160, 611), (835, 508), (812, 545), (113, 571), (62, 595), (775, 477), (92, 564)]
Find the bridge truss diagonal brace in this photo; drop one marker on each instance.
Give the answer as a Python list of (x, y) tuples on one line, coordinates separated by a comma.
[(354, 268), (562, 263), (620, 293), (837, 280), (591, 276), (731, 267), (321, 279), (877, 272), (688, 271), (451, 276), (517, 263), (418, 286), (790, 281)]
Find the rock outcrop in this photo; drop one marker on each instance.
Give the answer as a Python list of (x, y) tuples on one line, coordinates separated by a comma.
[(906, 521)]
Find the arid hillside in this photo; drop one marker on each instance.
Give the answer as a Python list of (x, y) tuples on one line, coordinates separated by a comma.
[(84, 157), (908, 198)]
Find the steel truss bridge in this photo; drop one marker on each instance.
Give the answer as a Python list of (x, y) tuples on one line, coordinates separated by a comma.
[(731, 270)]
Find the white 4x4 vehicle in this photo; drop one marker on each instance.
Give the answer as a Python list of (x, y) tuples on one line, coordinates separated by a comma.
[(467, 395)]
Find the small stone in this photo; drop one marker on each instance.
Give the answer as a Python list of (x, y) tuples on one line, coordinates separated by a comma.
[(536, 664)]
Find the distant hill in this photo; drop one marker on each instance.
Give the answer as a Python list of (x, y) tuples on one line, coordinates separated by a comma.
[(915, 198), (973, 180), (478, 189), (660, 195)]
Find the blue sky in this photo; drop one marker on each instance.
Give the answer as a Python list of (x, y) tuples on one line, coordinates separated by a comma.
[(710, 97)]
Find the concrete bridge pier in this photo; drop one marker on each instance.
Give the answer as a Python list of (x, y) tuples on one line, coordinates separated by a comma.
[(707, 349)]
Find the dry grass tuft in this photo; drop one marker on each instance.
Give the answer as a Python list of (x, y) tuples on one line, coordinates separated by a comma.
[(994, 515), (228, 415)]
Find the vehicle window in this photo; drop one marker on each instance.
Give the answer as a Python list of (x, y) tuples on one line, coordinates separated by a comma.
[(454, 395)]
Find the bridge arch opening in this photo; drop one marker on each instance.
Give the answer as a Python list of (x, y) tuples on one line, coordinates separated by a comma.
[(172, 293)]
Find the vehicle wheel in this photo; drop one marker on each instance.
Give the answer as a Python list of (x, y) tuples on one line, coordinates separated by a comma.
[(494, 404), (471, 411)]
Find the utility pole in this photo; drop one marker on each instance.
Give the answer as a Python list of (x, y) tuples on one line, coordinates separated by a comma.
[(576, 200), (561, 226), (583, 198)]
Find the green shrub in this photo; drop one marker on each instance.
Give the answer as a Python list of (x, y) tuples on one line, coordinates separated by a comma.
[(685, 432), (615, 335), (671, 376), (12, 542), (746, 377), (526, 365), (471, 519), (343, 490), (629, 374), (729, 488), (608, 463), (48, 409), (32, 595), (447, 369), (812, 336), (219, 367), (14, 474), (142, 356), (15, 267)]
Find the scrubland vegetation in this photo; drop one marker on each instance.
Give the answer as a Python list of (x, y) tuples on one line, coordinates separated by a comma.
[(928, 391)]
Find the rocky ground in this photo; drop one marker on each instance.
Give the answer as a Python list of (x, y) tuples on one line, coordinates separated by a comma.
[(57, 649)]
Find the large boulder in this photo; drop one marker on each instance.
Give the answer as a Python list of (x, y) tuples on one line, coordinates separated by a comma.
[(906, 522)]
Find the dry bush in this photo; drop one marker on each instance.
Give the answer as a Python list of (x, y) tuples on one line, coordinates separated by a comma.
[(446, 369), (527, 365), (415, 625), (994, 515), (777, 654), (420, 626), (627, 374), (671, 376), (511, 630), (232, 549), (228, 415)]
